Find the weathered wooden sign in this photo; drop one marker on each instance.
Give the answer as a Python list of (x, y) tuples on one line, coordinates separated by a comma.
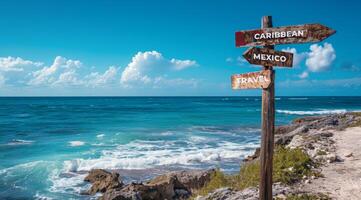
[(268, 57), (283, 35), (251, 80)]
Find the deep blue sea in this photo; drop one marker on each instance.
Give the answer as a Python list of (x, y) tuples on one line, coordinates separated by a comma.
[(48, 144)]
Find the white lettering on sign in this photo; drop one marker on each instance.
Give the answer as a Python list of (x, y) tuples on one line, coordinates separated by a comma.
[(282, 34), (270, 57), (257, 79)]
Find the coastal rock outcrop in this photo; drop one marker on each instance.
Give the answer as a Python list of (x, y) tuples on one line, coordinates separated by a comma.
[(174, 185), (314, 135), (102, 181)]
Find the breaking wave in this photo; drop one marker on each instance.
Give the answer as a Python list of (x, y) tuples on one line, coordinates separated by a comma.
[(315, 112)]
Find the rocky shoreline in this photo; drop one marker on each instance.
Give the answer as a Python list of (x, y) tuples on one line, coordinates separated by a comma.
[(313, 135)]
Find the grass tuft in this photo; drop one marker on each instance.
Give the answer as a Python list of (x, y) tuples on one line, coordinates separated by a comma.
[(289, 166)]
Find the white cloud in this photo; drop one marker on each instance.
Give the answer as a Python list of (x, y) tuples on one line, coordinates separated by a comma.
[(16, 64), (182, 64), (303, 75), (297, 57), (2, 80), (49, 75), (320, 58), (96, 79), (147, 68), (62, 71)]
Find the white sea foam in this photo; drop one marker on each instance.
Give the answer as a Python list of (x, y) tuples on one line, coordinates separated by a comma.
[(66, 184), (20, 142), (39, 196), (76, 143), (166, 133), (100, 135), (146, 154), (314, 112)]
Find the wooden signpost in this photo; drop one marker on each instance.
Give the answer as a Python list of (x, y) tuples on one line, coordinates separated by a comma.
[(283, 35), (268, 57), (251, 80)]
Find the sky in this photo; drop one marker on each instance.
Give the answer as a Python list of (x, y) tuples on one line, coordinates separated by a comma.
[(168, 48)]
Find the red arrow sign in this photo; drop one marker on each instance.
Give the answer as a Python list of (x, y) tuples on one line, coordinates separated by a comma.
[(283, 35), (268, 57)]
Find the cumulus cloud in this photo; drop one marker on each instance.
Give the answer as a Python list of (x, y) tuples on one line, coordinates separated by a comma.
[(320, 58), (147, 68), (297, 57), (62, 71), (96, 79), (16, 64)]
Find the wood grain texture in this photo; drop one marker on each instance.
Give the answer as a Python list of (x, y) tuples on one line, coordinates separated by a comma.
[(311, 33), (268, 57), (251, 80), (267, 138)]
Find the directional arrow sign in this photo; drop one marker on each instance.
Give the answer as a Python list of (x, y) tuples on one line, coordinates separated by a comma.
[(251, 80), (283, 35), (268, 57)]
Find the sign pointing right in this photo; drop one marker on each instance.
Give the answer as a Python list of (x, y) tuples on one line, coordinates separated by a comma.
[(283, 35)]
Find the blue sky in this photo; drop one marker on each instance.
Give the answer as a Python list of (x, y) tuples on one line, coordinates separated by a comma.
[(167, 48)]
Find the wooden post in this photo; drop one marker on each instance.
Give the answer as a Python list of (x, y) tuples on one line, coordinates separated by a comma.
[(268, 120)]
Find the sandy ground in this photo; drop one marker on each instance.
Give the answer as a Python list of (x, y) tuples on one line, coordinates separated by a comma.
[(342, 179)]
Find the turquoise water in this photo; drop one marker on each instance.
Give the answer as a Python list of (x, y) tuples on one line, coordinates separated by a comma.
[(48, 144)]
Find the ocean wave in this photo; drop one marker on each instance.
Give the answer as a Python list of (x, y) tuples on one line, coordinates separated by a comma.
[(233, 131), (20, 142), (39, 196), (298, 98), (314, 112), (149, 154), (100, 135), (76, 143)]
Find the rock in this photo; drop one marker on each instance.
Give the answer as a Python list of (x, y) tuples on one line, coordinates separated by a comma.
[(192, 180), (280, 130), (254, 156), (174, 185), (162, 187), (333, 158), (127, 193), (286, 138), (326, 134), (246, 194), (349, 155), (102, 181), (297, 141), (229, 194), (181, 193)]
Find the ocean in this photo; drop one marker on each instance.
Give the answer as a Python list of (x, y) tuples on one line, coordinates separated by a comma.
[(47, 144)]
